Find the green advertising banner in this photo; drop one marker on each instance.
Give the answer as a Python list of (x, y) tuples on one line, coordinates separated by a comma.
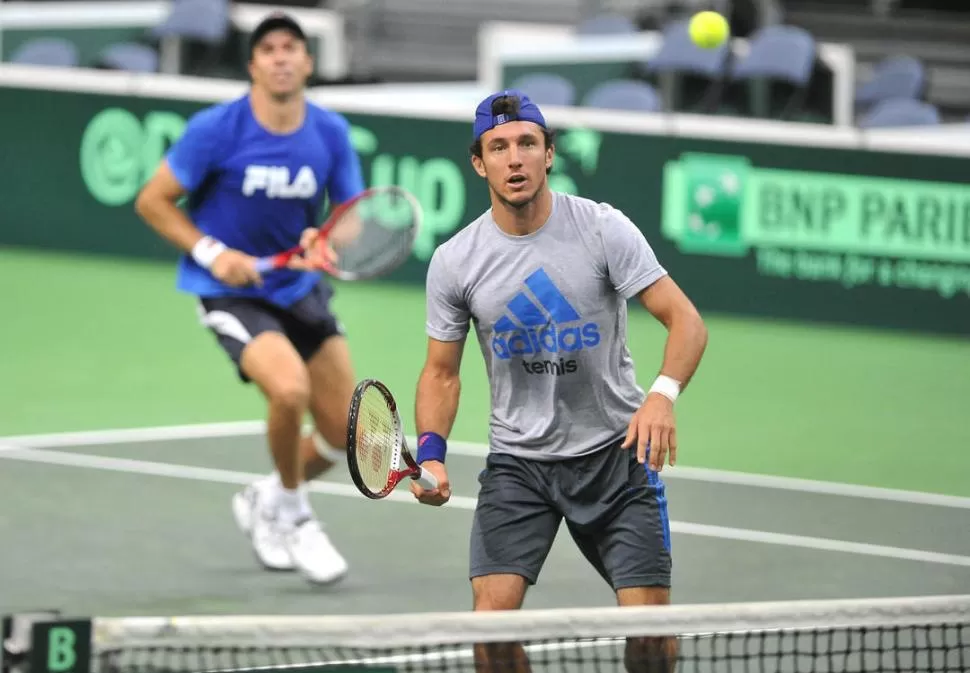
[(825, 234), (78, 160), (87, 156), (818, 228)]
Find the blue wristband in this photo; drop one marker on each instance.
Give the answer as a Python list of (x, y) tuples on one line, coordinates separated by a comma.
[(431, 446)]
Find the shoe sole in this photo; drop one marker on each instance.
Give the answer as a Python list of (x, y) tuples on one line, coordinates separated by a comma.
[(325, 582)]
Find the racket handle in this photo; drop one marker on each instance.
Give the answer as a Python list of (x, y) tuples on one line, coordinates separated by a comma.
[(278, 261), (427, 481)]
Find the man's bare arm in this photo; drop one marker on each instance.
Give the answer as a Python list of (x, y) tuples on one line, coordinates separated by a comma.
[(652, 427), (436, 405), (686, 332), (156, 205), (439, 387)]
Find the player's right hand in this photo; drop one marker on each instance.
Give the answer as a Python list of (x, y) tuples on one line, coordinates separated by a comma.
[(438, 496), (316, 256), (236, 269)]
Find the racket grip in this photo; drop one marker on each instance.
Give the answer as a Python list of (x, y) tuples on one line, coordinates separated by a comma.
[(427, 481), (264, 264)]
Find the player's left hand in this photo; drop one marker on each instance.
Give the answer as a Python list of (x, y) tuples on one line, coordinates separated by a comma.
[(653, 426), (316, 255)]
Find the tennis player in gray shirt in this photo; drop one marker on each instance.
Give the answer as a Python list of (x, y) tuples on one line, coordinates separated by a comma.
[(544, 278)]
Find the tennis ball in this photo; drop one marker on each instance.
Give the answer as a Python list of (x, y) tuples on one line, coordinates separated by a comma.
[(709, 30)]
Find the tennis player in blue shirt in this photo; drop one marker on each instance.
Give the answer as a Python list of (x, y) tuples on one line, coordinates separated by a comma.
[(256, 172)]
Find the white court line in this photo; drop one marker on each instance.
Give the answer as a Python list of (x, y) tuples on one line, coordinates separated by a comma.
[(129, 466), (248, 428), (60, 440)]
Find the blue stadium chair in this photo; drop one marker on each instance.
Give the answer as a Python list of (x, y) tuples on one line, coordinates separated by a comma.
[(894, 77), (129, 56), (606, 24), (49, 51), (546, 88), (898, 112), (624, 94), (204, 25), (202, 20), (773, 78), (692, 76), (783, 53), (679, 54)]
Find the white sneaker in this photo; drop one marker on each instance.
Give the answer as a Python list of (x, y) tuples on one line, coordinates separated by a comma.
[(269, 542), (313, 554), (245, 502), (264, 531)]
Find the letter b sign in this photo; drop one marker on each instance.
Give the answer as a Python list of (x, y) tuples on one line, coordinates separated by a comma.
[(61, 647)]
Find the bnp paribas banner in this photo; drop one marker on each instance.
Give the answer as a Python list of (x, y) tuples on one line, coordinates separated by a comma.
[(821, 227), (782, 231)]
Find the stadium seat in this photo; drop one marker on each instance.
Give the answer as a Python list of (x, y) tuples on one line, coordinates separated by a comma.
[(690, 76), (773, 78), (202, 20), (678, 53), (783, 53), (201, 28), (606, 24), (129, 56), (50, 51), (894, 77), (546, 88), (897, 112), (624, 94)]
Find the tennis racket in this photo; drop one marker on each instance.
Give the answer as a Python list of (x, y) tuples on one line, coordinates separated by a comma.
[(377, 453), (372, 234)]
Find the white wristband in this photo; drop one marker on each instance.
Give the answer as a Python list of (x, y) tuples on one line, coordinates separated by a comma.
[(206, 250), (666, 386)]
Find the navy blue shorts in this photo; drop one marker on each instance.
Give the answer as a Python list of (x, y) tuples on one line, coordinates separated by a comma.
[(236, 321), (615, 510)]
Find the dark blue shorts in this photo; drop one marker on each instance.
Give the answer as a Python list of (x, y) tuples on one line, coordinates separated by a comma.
[(615, 510), (236, 321)]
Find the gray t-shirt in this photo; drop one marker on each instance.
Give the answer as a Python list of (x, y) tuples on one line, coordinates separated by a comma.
[(550, 313)]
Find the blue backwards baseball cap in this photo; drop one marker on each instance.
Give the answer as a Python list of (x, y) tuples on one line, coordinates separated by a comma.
[(485, 120)]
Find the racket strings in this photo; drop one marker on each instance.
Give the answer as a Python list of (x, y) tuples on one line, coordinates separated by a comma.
[(377, 441), (375, 233)]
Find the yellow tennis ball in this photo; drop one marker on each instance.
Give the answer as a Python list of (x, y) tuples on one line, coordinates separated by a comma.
[(709, 30)]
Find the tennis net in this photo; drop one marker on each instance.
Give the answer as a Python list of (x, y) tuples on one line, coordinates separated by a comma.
[(904, 634)]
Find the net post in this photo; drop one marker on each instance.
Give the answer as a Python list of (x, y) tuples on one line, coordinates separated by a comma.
[(15, 635), (43, 642)]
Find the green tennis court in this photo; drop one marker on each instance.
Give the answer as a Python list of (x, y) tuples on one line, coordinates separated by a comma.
[(144, 527), (101, 343), (815, 462)]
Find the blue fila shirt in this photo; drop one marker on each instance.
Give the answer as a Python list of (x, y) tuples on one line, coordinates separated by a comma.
[(257, 191)]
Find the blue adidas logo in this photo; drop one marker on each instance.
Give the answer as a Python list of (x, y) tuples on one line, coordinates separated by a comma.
[(554, 328)]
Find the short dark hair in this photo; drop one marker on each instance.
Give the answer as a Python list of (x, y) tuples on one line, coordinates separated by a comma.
[(509, 105), (275, 21)]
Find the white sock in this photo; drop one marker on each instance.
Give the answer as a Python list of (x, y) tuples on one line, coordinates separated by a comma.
[(291, 505)]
